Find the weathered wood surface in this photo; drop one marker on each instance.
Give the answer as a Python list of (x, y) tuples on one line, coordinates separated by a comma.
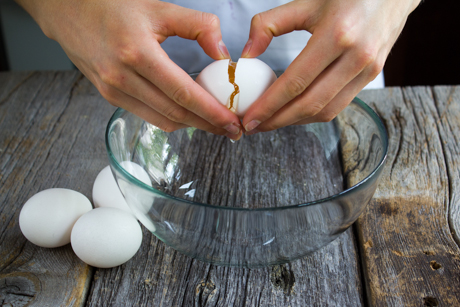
[(52, 135), (159, 276), (407, 235)]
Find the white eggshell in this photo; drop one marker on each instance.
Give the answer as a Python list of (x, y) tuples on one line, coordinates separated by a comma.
[(137, 171), (214, 79), (106, 237), (106, 192), (47, 218), (252, 76)]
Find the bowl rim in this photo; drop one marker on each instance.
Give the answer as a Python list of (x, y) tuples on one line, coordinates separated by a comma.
[(134, 180)]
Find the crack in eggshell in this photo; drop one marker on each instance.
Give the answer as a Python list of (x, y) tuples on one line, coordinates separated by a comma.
[(232, 103)]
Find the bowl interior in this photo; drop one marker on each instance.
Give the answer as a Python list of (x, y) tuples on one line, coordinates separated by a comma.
[(231, 202), (291, 166)]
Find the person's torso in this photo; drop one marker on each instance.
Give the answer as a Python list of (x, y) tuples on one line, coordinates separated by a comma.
[(235, 19)]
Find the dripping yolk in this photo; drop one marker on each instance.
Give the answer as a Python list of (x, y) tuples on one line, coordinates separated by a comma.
[(231, 78)]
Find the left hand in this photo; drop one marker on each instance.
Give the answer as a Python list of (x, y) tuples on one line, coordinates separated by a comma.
[(348, 48)]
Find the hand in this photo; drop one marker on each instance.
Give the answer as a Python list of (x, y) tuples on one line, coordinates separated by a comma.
[(116, 45), (349, 45)]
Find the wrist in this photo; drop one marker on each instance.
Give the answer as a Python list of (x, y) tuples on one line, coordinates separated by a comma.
[(43, 12)]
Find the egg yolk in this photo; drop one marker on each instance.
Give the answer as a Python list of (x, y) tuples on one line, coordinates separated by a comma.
[(231, 78)]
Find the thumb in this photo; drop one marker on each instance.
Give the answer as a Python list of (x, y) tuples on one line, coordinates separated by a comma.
[(275, 22), (200, 26)]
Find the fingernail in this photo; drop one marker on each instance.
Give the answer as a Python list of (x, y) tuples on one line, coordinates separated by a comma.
[(246, 48), (251, 125), (223, 49), (253, 131), (232, 129), (233, 137)]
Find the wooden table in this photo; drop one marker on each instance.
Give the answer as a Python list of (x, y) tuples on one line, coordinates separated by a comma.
[(403, 251)]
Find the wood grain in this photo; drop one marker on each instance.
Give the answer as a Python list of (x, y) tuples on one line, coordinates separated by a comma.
[(409, 255), (250, 173), (51, 135), (160, 276), (447, 100)]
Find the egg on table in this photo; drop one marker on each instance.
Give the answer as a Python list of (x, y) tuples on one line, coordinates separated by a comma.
[(47, 218), (237, 85), (106, 192), (106, 237)]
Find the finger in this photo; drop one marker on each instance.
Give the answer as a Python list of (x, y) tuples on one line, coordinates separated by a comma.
[(342, 100), (195, 25), (335, 106), (151, 62), (132, 105), (154, 113), (321, 92), (278, 21), (138, 87), (310, 63)]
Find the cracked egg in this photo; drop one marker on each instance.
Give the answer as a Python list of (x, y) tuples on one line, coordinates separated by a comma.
[(237, 85)]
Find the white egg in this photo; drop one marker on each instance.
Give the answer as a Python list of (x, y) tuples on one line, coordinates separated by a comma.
[(252, 76), (106, 193), (47, 218), (136, 171), (106, 237)]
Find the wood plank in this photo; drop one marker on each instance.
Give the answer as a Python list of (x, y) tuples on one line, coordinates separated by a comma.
[(447, 99), (51, 135), (160, 276), (409, 255)]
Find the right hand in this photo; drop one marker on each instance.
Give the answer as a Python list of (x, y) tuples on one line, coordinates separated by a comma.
[(116, 45)]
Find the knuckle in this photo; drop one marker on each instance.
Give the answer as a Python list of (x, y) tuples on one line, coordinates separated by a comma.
[(210, 20), (205, 23), (178, 115), (167, 126), (260, 22), (182, 96), (376, 67), (367, 56), (295, 85), (108, 93), (310, 110), (326, 117), (257, 21), (129, 55), (111, 77), (344, 36)]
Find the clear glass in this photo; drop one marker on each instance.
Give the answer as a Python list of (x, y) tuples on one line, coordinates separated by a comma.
[(267, 199)]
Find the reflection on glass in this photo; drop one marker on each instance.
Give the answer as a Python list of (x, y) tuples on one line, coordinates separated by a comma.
[(266, 199)]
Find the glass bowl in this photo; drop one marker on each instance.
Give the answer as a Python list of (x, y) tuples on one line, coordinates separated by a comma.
[(266, 199)]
